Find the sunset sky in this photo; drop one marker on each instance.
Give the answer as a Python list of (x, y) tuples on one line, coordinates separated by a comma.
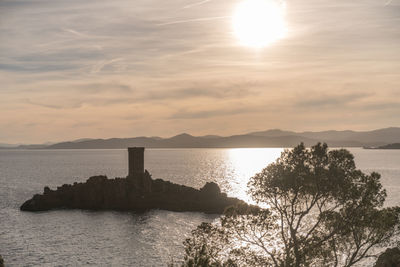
[(71, 69)]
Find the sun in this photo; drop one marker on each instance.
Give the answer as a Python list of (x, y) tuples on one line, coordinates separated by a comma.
[(258, 23)]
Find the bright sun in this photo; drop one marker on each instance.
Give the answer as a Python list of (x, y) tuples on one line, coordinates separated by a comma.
[(257, 23)]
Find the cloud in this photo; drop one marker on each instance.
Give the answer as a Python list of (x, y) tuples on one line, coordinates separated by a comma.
[(203, 114), (193, 20), (330, 100), (98, 87), (207, 90), (226, 109), (80, 61), (102, 64), (52, 106), (391, 106), (196, 4)]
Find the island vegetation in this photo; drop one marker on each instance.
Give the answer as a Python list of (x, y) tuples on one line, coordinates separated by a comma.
[(316, 209)]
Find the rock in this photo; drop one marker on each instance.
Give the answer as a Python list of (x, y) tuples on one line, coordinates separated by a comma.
[(1, 261), (135, 194), (389, 258), (210, 190)]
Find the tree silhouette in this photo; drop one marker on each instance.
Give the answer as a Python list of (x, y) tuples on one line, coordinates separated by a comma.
[(315, 209)]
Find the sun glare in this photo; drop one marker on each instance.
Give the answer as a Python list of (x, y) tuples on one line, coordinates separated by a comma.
[(257, 23)]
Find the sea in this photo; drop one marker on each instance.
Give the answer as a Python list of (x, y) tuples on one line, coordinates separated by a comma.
[(110, 238)]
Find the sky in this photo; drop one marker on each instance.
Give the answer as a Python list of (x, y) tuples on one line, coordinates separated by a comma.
[(74, 69)]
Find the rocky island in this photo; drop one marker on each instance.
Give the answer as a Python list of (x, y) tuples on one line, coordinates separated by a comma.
[(137, 192)]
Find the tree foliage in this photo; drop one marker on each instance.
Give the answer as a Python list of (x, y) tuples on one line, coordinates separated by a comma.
[(317, 209)]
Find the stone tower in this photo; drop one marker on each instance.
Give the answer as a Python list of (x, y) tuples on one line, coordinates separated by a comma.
[(136, 162)]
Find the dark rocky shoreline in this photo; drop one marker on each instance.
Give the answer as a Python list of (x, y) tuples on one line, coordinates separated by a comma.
[(131, 194), (389, 146)]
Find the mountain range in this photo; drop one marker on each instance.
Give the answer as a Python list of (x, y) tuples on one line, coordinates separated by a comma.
[(269, 138)]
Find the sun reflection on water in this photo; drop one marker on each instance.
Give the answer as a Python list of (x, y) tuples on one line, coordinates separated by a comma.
[(245, 163)]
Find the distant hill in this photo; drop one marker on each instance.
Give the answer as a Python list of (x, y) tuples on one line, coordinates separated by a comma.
[(19, 146), (3, 145), (378, 137), (269, 138)]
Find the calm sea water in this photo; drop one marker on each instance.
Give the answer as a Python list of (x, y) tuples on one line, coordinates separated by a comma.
[(75, 238)]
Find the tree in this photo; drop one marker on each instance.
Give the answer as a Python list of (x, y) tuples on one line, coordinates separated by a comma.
[(315, 209)]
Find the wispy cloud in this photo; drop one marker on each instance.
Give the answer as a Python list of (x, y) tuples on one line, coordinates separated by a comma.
[(193, 20), (99, 66), (388, 2), (87, 65), (208, 113), (330, 100), (76, 33), (196, 4)]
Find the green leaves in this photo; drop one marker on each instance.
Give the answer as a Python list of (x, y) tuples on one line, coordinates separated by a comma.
[(322, 212)]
